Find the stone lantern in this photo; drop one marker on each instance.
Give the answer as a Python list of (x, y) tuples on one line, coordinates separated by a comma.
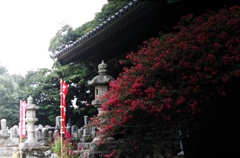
[(31, 120), (101, 84)]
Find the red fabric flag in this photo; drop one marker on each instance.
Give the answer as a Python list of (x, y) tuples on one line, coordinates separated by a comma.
[(22, 124), (64, 91)]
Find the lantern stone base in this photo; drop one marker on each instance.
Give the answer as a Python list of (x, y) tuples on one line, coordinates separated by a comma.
[(34, 149), (31, 144)]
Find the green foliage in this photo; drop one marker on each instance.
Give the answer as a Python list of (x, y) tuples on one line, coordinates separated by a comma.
[(67, 148), (62, 38), (10, 92), (56, 146), (3, 70), (44, 86), (41, 85), (85, 28), (109, 9), (64, 147)]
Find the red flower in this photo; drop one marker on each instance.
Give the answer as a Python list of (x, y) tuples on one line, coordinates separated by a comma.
[(181, 100), (225, 78)]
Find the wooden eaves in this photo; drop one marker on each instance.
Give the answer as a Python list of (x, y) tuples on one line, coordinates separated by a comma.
[(129, 27)]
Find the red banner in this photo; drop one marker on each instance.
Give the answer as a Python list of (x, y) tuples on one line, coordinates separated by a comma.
[(22, 124), (64, 91)]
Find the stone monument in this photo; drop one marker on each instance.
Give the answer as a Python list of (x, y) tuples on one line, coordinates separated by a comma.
[(31, 120), (31, 147), (4, 128), (101, 85)]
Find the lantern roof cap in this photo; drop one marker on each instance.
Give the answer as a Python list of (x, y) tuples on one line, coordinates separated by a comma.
[(30, 104), (103, 78)]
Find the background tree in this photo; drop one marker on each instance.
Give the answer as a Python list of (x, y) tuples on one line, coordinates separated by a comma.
[(3, 70), (44, 86), (77, 75), (63, 37), (109, 9), (66, 34), (10, 91)]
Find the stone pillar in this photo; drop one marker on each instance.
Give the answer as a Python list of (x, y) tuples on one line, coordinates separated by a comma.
[(86, 120), (3, 124), (80, 132), (73, 130), (4, 128), (50, 136), (45, 138), (31, 120), (58, 122), (68, 128), (38, 132), (56, 134)]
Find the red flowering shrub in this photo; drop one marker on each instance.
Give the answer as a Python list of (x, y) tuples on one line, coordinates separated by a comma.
[(173, 76)]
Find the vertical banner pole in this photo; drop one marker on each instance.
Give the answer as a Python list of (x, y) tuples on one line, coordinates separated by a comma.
[(64, 90), (22, 125), (20, 137), (61, 120)]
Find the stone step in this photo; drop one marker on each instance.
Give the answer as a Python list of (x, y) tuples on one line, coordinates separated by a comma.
[(6, 152)]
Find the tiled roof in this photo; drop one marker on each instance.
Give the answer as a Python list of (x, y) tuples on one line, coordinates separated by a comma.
[(129, 27), (99, 28)]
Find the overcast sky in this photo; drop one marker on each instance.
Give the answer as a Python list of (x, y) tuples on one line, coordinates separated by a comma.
[(27, 27)]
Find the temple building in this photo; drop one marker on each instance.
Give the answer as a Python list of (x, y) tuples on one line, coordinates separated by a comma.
[(129, 27)]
